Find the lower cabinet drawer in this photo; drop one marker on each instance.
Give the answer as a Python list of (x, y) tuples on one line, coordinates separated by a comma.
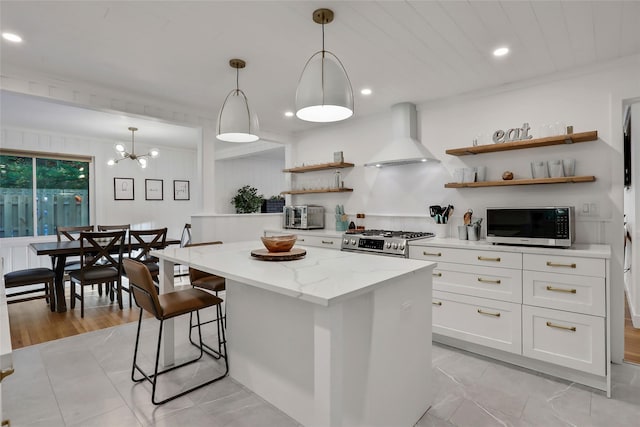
[(581, 294), (503, 284), (495, 324), (568, 339), (318, 241)]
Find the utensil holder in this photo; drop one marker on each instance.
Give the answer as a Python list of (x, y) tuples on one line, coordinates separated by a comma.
[(462, 232), (342, 225), (442, 230), (473, 232)]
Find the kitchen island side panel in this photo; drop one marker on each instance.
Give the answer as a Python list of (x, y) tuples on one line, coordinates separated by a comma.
[(363, 361)]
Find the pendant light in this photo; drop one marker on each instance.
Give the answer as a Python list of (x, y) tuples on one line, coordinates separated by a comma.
[(324, 91), (235, 121), (124, 154)]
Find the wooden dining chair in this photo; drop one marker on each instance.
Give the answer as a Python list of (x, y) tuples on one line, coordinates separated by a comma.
[(125, 227), (101, 262), (164, 307), (141, 242), (212, 283), (71, 233)]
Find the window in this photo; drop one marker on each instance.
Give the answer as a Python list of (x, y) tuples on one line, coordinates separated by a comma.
[(39, 193)]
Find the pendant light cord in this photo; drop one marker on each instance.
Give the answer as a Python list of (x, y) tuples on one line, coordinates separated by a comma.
[(133, 145), (237, 80), (322, 64)]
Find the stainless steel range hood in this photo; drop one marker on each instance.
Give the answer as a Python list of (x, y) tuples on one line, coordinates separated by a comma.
[(404, 148)]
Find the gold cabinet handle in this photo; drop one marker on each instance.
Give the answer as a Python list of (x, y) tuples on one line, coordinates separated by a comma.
[(484, 258), (480, 279), (425, 253), (555, 264), (486, 313), (436, 274), (566, 328), (300, 240), (327, 242), (6, 423), (438, 303), (568, 291), (4, 374)]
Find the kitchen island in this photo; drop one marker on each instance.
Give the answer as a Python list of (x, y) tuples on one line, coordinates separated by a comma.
[(333, 339)]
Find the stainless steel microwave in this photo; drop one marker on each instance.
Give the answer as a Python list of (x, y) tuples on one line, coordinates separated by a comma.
[(304, 217), (535, 226)]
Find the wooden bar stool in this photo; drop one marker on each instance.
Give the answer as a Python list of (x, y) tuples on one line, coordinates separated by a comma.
[(164, 307)]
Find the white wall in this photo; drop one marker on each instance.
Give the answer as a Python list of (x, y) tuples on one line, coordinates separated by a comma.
[(173, 163), (590, 99), (263, 173)]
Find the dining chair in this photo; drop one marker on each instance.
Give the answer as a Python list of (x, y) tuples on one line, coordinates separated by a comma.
[(164, 307), (185, 240), (71, 233), (125, 227), (26, 279), (141, 242), (212, 283), (101, 262)]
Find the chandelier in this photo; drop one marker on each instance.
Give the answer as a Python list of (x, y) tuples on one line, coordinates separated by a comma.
[(124, 154)]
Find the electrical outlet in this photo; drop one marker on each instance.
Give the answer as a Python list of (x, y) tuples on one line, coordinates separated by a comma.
[(589, 209)]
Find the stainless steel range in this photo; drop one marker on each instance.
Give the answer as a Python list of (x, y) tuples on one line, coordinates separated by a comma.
[(383, 242)]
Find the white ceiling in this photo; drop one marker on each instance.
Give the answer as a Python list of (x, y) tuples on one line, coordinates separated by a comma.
[(415, 51)]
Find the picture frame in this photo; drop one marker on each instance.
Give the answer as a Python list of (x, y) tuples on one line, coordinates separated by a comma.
[(154, 189), (180, 190), (123, 189)]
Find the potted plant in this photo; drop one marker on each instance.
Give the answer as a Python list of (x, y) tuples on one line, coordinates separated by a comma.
[(273, 204), (247, 200)]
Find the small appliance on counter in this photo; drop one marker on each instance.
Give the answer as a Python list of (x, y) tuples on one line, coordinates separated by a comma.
[(535, 226), (303, 217)]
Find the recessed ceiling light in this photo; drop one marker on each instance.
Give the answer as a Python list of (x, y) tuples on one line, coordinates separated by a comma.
[(366, 91), (288, 113), (12, 37), (501, 51)]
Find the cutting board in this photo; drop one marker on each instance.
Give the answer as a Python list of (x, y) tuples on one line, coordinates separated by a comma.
[(265, 255)]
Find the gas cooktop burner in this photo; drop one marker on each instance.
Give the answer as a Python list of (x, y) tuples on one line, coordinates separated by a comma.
[(407, 235)]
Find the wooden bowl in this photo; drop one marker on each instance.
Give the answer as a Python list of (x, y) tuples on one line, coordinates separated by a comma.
[(279, 243)]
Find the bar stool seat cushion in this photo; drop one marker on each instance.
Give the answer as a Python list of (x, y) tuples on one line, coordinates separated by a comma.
[(211, 283), (28, 277), (185, 301)]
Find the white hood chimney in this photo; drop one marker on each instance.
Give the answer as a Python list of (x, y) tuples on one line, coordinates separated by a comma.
[(404, 148)]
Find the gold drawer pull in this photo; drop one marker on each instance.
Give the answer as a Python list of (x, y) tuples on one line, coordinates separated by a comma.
[(480, 279), (4, 374), (436, 274), (6, 423), (555, 264), (431, 253), (486, 313), (328, 242), (569, 291), (484, 258), (566, 328), (438, 303), (300, 240)]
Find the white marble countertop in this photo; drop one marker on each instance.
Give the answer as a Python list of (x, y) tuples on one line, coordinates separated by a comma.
[(320, 233), (323, 276), (581, 250)]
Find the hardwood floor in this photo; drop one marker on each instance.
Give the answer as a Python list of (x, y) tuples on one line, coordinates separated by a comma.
[(631, 337)]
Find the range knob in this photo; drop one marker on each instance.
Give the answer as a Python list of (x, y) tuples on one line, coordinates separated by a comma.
[(401, 247), (345, 241), (388, 245), (395, 246), (353, 241)]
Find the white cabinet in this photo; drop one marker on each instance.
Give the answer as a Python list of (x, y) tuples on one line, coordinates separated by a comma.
[(573, 340), (319, 239), (478, 320), (545, 309)]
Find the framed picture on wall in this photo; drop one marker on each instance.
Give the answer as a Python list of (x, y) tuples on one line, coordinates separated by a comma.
[(123, 189), (180, 190), (153, 189)]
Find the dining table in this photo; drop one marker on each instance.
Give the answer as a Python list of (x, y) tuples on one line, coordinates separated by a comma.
[(60, 251)]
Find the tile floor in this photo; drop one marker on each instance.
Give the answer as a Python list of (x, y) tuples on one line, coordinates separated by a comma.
[(85, 380)]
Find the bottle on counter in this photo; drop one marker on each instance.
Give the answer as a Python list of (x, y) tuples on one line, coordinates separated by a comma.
[(360, 221)]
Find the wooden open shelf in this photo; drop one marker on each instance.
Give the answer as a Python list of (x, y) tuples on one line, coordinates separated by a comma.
[(319, 190), (562, 180), (320, 167), (529, 143)]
